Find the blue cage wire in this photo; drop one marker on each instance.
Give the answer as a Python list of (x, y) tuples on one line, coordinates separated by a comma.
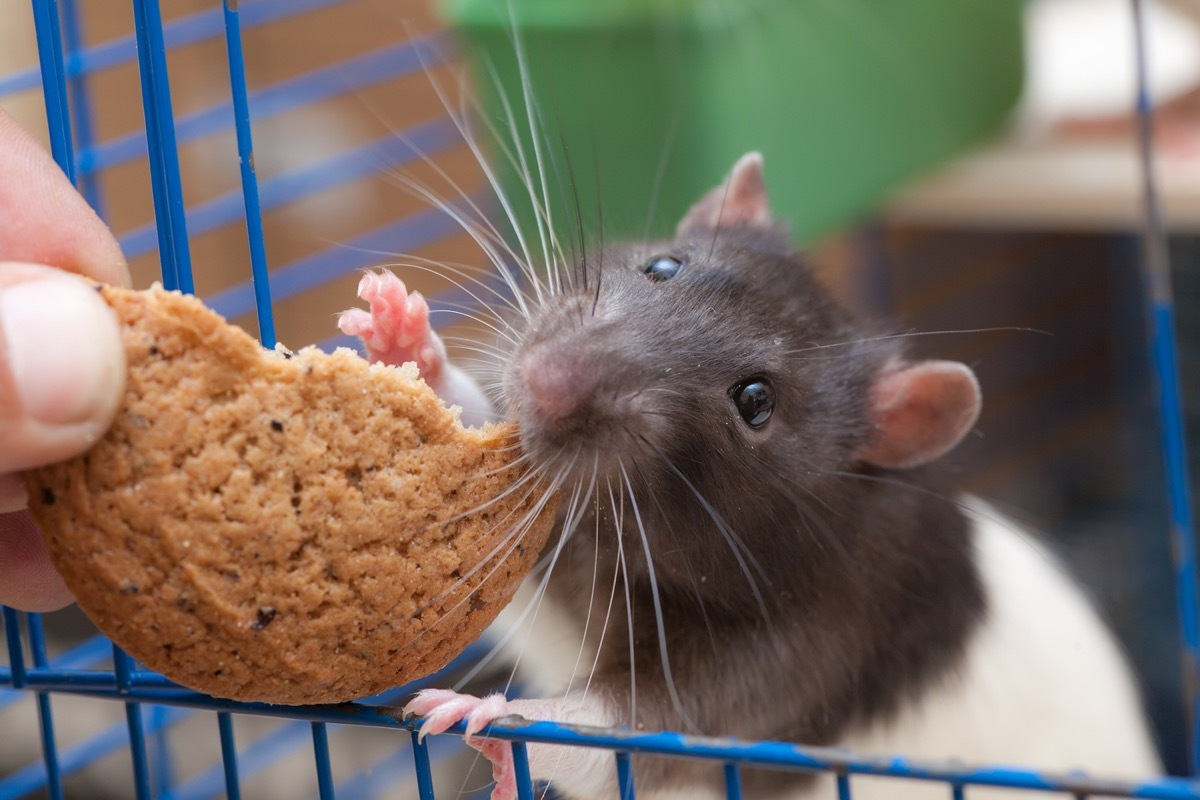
[(152, 705)]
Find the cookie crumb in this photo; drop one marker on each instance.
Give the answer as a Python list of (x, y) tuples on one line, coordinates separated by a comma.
[(265, 615)]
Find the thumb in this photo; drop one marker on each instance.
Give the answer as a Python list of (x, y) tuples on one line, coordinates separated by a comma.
[(62, 367)]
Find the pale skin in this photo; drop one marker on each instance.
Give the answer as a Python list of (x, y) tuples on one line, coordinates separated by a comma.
[(60, 383)]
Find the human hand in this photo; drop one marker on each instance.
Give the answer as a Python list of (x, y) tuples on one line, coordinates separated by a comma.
[(62, 366)]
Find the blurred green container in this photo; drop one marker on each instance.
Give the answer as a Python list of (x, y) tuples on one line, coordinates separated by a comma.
[(645, 104)]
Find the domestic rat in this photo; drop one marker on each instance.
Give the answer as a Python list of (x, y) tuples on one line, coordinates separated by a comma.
[(755, 544)]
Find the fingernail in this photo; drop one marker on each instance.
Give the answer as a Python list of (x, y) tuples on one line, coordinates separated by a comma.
[(64, 349)]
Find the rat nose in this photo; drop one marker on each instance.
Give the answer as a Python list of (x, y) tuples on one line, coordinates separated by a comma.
[(558, 384)]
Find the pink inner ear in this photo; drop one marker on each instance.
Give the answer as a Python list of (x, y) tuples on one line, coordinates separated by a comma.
[(919, 412), (741, 200)]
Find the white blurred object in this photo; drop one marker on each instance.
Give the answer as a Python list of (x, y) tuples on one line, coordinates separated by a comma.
[(1079, 57), (1070, 161)]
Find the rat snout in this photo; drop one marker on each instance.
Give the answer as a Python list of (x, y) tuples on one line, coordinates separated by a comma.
[(558, 384)]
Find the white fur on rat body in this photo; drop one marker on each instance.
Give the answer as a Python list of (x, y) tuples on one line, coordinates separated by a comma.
[(1044, 685), (1040, 682)]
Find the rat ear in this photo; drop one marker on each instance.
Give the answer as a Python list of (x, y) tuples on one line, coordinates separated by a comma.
[(740, 200), (919, 412)]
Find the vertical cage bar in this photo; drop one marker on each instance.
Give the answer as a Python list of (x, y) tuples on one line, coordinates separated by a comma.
[(421, 765), (233, 788), (625, 775), (254, 231), (137, 750), (321, 755), (843, 786), (521, 770), (37, 648), (1161, 319), (54, 85), (163, 154), (733, 782), (80, 101), (16, 655), (957, 792), (160, 759), (123, 670), (49, 747)]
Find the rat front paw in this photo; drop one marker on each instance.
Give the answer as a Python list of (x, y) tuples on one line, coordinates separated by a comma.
[(396, 329), (441, 708)]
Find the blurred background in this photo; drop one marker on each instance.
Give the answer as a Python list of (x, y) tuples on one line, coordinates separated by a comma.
[(965, 167)]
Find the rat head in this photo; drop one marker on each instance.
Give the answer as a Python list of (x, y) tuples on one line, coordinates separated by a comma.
[(711, 377)]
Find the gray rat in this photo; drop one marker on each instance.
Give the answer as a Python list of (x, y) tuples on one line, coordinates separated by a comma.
[(754, 543)]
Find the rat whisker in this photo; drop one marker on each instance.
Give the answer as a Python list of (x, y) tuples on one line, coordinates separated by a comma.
[(552, 251), (580, 256), (459, 119), (542, 213), (954, 501), (656, 599), (819, 529), (913, 334), (461, 276), (665, 518), (500, 554), (623, 563), (528, 477), (574, 512), (492, 245), (745, 558), (484, 358), (484, 321), (612, 595), (463, 283), (593, 486), (544, 568), (480, 227), (664, 156)]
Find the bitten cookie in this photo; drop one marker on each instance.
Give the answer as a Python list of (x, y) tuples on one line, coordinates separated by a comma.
[(286, 528)]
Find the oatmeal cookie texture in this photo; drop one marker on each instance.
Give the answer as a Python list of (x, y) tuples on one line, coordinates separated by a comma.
[(286, 528)]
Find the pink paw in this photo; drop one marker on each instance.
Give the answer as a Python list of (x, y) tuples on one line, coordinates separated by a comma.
[(441, 708), (396, 329)]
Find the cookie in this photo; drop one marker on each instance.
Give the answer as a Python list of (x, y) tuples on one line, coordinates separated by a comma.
[(285, 528)]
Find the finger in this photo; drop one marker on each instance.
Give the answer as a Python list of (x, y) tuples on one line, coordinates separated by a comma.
[(13, 496), (27, 579), (62, 366), (44, 220)]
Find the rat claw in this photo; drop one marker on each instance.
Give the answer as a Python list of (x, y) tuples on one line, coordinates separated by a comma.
[(353, 321), (426, 700), (441, 708), (365, 281), (485, 712), (414, 322), (382, 285), (396, 328)]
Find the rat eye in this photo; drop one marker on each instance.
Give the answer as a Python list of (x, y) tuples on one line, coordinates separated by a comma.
[(755, 400), (660, 268)]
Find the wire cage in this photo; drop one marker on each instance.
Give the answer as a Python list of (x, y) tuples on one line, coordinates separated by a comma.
[(228, 744)]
